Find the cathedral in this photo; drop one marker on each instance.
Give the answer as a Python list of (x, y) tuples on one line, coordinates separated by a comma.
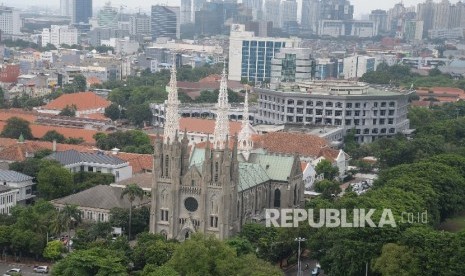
[(217, 187)]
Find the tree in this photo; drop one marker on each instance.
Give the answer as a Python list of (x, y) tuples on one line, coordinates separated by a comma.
[(132, 191), (54, 182), (325, 167), (69, 111), (69, 216), (15, 127), (53, 250), (113, 112), (53, 135), (139, 114), (396, 260), (93, 261), (152, 270), (80, 83), (327, 188)]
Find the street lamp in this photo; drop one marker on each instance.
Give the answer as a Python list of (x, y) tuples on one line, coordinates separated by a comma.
[(299, 270)]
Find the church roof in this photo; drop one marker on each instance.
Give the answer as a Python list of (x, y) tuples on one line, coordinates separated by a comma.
[(277, 167), (197, 157), (251, 175)]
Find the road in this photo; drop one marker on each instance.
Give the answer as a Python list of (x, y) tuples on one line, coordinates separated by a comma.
[(26, 269), (305, 272)]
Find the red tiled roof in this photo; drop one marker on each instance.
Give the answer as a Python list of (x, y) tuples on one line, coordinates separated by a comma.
[(82, 100), (38, 131), (6, 114), (329, 154), (140, 163), (290, 143), (206, 126)]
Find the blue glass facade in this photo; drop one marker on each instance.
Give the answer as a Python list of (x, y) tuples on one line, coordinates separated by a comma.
[(256, 59)]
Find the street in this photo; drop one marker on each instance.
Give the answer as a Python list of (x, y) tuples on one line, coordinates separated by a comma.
[(305, 272), (26, 269)]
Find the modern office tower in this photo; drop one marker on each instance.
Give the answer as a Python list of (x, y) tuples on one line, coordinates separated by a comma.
[(108, 16), (259, 28), (425, 13), (139, 24), (413, 30), (441, 15), (310, 15), (336, 10), (356, 66), (372, 112), (197, 5), (292, 65), (66, 7), (81, 11), (380, 17), (288, 13), (272, 12), (165, 22), (256, 6), (186, 11), (250, 56), (10, 22)]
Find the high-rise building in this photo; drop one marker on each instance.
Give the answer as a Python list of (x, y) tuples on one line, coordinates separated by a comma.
[(256, 6), (425, 13), (108, 16), (310, 15), (66, 7), (272, 13), (380, 17), (250, 56), (288, 13), (197, 5), (336, 10), (81, 11), (356, 66), (413, 30), (139, 24), (165, 22), (10, 22), (58, 35), (441, 15), (186, 11), (292, 65)]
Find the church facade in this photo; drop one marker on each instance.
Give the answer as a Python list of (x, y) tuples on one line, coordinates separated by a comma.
[(216, 188)]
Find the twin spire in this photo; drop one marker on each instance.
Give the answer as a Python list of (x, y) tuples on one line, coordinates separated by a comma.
[(221, 133)]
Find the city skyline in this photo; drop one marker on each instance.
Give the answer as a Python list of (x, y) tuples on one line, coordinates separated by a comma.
[(362, 7)]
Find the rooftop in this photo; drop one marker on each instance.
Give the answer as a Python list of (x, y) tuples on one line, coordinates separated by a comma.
[(82, 100), (13, 176), (206, 126), (70, 157)]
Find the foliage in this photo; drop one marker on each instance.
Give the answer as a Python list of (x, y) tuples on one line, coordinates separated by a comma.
[(86, 180), (94, 261), (325, 167), (327, 188), (15, 127), (79, 84), (69, 111), (139, 221), (132, 191), (139, 114), (54, 182), (396, 260), (53, 250), (128, 141), (53, 135), (152, 250), (113, 112)]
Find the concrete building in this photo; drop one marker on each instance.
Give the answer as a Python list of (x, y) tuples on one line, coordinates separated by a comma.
[(310, 15), (66, 7), (250, 56), (98, 162), (272, 12), (165, 22), (372, 112), (81, 11), (10, 22), (139, 24), (292, 65), (337, 28), (108, 16), (186, 11), (380, 17), (356, 66), (413, 30), (22, 183), (256, 6), (425, 13), (288, 13), (58, 35), (7, 199)]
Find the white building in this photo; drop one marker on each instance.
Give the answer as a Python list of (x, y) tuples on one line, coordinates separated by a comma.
[(58, 35), (122, 45), (98, 162), (337, 28), (288, 12), (65, 7), (292, 65), (272, 12), (10, 22), (356, 66), (20, 182), (250, 56), (7, 199), (139, 24)]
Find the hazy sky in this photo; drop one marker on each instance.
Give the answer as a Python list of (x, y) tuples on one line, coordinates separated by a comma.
[(361, 6)]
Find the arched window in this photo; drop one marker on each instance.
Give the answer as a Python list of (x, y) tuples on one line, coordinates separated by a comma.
[(166, 165), (214, 205), (277, 198), (238, 208), (295, 195), (216, 171)]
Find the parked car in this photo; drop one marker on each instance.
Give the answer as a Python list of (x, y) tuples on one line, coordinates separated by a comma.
[(13, 272), (41, 269)]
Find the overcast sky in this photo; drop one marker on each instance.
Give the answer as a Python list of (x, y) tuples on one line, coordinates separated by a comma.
[(361, 6)]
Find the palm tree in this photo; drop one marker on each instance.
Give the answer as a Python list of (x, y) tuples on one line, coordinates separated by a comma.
[(132, 191), (69, 215)]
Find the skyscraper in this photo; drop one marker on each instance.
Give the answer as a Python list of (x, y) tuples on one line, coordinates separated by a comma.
[(380, 18), (310, 15), (272, 11), (256, 6), (108, 16), (165, 22), (81, 11), (288, 13), (10, 22), (186, 11), (66, 7), (425, 13)]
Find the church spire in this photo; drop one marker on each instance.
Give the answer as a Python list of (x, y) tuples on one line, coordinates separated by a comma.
[(172, 108), (222, 112), (245, 139)]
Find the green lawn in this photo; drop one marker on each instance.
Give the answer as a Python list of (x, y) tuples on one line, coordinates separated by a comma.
[(454, 224)]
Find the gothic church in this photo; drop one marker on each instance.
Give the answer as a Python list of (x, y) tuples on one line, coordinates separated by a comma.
[(216, 188)]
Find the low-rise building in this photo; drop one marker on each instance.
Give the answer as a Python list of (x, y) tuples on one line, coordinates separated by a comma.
[(22, 183), (7, 199)]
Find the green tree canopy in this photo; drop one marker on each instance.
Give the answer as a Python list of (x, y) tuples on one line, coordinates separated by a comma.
[(325, 167), (15, 127), (54, 182), (53, 135)]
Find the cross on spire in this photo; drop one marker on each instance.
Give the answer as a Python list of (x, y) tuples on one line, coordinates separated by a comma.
[(172, 108), (222, 112)]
